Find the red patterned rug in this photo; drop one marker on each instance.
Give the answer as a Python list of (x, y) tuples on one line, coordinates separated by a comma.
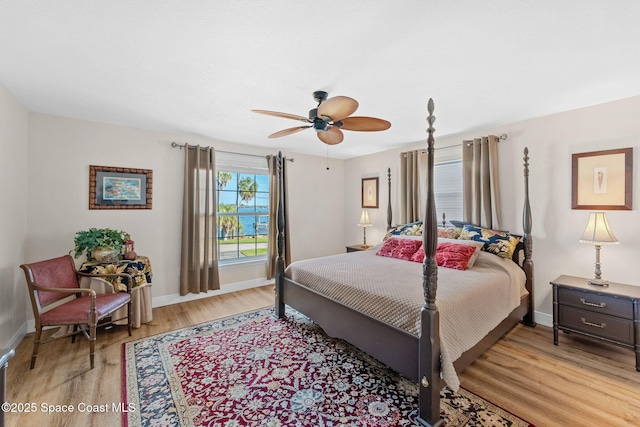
[(256, 370)]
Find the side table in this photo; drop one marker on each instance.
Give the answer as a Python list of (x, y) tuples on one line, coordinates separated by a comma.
[(609, 313), (140, 270), (356, 248)]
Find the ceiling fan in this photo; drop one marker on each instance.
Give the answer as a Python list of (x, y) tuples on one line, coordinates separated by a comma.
[(329, 118)]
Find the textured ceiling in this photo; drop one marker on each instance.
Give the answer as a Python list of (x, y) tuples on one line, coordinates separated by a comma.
[(199, 67)]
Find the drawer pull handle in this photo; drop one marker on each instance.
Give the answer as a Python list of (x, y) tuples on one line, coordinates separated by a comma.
[(592, 304), (595, 325)]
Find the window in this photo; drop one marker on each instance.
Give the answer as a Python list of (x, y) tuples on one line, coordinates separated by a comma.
[(242, 195), (447, 181)]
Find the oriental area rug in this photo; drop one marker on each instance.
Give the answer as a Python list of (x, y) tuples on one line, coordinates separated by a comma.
[(256, 370)]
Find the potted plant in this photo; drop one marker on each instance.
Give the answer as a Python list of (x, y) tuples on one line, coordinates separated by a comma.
[(100, 244)]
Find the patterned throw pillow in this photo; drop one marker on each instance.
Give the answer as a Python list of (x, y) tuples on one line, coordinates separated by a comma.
[(449, 255), (411, 229), (399, 248), (449, 232), (477, 245), (496, 242)]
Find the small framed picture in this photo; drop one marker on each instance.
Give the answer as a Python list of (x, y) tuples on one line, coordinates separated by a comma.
[(602, 179), (120, 188), (370, 192)]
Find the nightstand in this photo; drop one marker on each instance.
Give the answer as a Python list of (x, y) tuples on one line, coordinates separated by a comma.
[(356, 248), (608, 313)]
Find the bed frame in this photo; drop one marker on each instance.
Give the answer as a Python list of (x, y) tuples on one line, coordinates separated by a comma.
[(418, 358)]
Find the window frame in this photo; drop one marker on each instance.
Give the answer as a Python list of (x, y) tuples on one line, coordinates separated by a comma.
[(241, 166)]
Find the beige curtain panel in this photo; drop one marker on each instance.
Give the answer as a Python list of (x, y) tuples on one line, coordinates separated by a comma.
[(199, 256), (413, 185), (274, 194), (481, 192)]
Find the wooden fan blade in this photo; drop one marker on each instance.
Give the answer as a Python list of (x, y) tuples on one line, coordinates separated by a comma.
[(364, 124), (283, 115), (338, 107), (332, 136), (289, 131)]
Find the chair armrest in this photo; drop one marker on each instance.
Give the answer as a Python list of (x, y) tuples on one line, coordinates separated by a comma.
[(65, 290), (125, 275)]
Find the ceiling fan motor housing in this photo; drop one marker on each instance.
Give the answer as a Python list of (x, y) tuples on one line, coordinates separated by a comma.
[(319, 123), (320, 96)]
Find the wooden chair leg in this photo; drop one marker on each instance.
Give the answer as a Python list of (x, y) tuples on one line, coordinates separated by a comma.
[(73, 337), (36, 344), (92, 344), (129, 319)]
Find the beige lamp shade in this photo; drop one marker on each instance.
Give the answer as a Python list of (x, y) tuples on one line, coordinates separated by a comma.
[(598, 231), (364, 219)]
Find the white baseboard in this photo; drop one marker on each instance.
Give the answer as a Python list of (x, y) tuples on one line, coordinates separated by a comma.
[(543, 319), (224, 289), (19, 335)]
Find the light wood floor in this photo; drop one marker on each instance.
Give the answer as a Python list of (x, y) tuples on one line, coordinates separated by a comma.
[(578, 383)]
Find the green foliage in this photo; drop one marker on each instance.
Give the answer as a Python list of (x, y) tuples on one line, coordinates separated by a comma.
[(86, 241), (247, 188), (228, 224)]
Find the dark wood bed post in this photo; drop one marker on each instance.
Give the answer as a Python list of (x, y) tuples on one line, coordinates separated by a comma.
[(389, 212), (528, 242), (429, 339), (281, 225)]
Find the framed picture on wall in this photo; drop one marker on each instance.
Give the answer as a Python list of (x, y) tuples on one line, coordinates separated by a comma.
[(602, 180), (120, 188), (370, 192)]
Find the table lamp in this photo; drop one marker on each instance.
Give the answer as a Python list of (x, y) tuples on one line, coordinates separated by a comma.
[(598, 233), (364, 223)]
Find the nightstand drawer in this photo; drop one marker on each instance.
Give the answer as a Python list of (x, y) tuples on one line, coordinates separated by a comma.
[(603, 304), (601, 325)]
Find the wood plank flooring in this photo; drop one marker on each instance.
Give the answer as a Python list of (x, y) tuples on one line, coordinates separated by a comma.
[(578, 383)]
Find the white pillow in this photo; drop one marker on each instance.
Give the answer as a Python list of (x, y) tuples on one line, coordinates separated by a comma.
[(476, 253)]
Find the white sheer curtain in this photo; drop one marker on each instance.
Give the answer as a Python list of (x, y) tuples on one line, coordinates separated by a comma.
[(199, 257), (481, 200), (413, 189)]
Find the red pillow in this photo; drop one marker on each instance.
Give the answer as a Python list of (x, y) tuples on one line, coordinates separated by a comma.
[(449, 255), (399, 248)]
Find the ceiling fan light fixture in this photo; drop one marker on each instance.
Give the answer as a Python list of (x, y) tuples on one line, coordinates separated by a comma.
[(320, 125)]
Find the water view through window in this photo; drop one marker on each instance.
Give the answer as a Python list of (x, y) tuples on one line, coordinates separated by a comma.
[(243, 215)]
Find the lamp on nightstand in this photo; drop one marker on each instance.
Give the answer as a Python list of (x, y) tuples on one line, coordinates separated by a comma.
[(364, 223), (598, 233)]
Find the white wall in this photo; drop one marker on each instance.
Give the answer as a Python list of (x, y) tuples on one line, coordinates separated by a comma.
[(556, 227), (45, 165), (14, 172), (61, 150)]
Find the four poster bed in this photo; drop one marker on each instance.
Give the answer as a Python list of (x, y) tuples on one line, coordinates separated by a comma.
[(376, 304)]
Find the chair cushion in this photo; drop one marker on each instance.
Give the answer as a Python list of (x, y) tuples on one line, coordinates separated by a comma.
[(77, 311)]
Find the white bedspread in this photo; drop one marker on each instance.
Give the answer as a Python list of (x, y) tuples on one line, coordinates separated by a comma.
[(471, 302)]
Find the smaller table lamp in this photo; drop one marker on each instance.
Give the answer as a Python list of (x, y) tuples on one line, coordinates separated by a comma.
[(598, 233), (364, 223)]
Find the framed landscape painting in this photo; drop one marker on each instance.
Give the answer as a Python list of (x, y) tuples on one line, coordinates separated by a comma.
[(120, 188), (602, 180)]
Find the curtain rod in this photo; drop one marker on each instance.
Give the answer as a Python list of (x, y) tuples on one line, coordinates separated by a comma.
[(502, 137), (181, 146)]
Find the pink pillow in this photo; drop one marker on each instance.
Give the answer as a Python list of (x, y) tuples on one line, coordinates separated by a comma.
[(449, 255), (399, 248)]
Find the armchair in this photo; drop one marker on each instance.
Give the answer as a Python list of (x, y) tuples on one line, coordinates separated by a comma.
[(51, 283)]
